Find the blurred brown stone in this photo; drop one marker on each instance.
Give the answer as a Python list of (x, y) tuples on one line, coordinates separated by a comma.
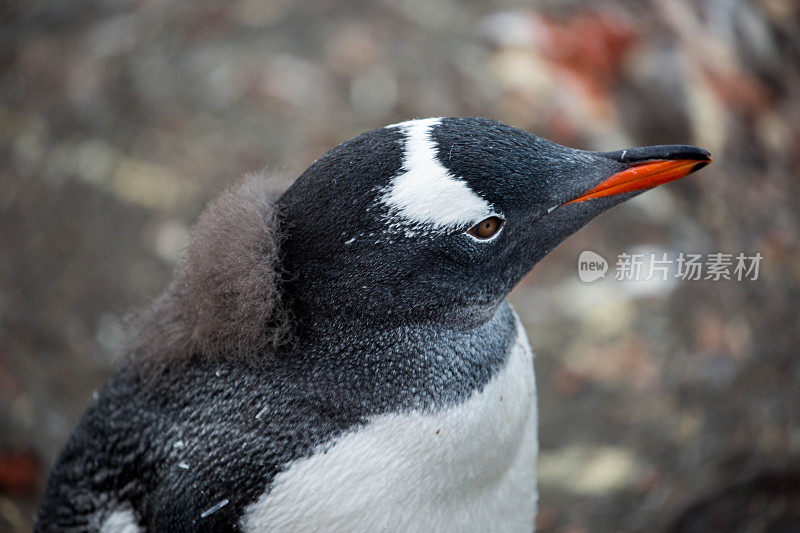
[(567, 382), (546, 519)]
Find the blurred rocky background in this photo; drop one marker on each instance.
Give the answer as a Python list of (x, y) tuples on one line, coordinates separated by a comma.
[(669, 405)]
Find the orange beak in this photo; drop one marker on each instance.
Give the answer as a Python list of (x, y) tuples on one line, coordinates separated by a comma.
[(645, 175)]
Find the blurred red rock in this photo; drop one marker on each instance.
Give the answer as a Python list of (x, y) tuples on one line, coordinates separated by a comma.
[(20, 472)]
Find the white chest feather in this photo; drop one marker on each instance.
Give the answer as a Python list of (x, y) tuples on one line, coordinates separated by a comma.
[(470, 467), (121, 521)]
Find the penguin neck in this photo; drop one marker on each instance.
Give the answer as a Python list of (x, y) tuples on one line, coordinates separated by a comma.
[(320, 309), (406, 366), (325, 327)]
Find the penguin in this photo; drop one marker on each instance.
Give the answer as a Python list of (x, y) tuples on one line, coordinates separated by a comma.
[(343, 357)]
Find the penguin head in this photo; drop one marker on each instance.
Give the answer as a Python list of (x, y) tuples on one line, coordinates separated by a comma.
[(438, 219)]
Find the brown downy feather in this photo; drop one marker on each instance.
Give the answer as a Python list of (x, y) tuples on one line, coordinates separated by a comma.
[(224, 300)]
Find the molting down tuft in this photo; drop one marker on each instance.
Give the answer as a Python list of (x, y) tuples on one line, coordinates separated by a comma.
[(224, 300)]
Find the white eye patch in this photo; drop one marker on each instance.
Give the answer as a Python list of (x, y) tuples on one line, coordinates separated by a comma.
[(425, 193)]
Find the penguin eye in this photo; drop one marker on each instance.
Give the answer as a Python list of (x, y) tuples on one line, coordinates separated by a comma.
[(486, 228)]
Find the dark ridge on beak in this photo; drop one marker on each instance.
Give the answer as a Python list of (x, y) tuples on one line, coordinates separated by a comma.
[(666, 152)]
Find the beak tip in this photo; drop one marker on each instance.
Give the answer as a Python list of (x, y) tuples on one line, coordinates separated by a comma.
[(701, 164), (707, 157)]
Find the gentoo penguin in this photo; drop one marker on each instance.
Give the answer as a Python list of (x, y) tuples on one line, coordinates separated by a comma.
[(343, 358)]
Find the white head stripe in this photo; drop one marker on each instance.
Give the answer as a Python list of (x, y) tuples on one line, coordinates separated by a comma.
[(425, 192)]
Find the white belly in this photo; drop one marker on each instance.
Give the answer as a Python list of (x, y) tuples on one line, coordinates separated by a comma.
[(471, 467)]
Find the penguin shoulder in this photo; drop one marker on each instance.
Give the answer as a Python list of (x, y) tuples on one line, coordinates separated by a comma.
[(224, 300)]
